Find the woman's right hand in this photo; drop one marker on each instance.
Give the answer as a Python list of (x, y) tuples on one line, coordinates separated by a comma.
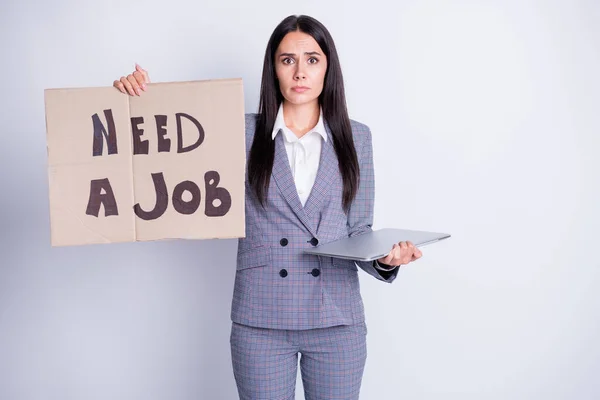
[(133, 83)]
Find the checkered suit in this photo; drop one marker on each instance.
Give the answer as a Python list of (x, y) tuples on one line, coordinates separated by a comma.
[(279, 291), (276, 285)]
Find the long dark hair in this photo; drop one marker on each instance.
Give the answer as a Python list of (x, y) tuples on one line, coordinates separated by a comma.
[(332, 101)]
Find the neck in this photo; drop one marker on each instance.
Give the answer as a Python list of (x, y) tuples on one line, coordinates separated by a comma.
[(301, 118)]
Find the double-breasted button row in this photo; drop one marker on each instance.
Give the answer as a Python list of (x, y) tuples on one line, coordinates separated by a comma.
[(315, 272), (284, 242)]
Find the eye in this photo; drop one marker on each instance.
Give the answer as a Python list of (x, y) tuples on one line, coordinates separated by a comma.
[(313, 60), (288, 60)]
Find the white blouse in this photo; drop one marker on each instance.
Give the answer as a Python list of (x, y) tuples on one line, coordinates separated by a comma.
[(303, 153)]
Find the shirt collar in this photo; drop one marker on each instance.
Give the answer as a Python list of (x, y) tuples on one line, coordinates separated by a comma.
[(280, 124)]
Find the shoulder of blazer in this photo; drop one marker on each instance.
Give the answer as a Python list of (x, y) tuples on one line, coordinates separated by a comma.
[(250, 129), (361, 134)]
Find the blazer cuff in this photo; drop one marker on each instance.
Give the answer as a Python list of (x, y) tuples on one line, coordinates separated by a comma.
[(383, 267)]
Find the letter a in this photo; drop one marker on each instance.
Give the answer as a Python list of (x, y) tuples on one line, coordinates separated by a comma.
[(97, 197)]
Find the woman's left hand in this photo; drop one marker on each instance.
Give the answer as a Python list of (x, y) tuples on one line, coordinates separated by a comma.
[(402, 253)]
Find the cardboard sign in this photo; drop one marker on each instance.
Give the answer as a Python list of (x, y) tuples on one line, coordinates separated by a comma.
[(166, 165)]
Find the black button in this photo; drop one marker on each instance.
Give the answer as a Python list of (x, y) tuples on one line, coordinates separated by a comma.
[(283, 242), (283, 273), (314, 241), (315, 272)]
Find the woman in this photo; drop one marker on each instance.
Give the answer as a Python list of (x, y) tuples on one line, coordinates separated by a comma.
[(309, 180)]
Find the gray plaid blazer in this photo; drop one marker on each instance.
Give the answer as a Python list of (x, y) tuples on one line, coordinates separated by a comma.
[(276, 285)]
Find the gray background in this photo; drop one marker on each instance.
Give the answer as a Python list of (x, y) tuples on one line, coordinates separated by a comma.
[(485, 124)]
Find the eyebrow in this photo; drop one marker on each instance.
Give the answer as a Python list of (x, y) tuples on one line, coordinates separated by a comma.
[(308, 53)]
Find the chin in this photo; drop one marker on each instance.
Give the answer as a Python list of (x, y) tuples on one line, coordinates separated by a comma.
[(300, 98)]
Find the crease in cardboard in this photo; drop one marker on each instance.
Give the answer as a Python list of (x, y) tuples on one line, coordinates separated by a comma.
[(130, 152)]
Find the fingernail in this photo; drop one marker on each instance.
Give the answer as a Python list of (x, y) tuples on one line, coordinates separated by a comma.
[(144, 86)]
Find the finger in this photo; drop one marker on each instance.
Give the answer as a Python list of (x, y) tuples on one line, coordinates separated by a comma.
[(389, 258), (139, 78), (391, 255), (119, 86), (143, 72), (134, 84), (403, 250), (417, 254), (407, 255), (397, 256), (411, 248), (127, 86)]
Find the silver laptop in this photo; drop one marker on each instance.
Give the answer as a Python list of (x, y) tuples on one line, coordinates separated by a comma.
[(374, 245)]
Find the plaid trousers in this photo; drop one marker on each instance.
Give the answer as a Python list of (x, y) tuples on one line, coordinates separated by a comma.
[(265, 361)]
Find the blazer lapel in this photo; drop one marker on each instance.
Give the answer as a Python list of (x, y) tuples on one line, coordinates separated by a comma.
[(285, 182), (328, 169)]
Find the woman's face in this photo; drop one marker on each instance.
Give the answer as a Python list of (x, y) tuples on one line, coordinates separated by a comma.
[(300, 65)]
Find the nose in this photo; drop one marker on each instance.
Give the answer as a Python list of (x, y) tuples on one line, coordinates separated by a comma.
[(299, 75)]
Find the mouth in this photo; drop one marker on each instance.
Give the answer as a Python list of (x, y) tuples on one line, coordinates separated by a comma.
[(300, 89)]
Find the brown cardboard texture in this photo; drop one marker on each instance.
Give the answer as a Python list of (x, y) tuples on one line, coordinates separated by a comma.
[(169, 164)]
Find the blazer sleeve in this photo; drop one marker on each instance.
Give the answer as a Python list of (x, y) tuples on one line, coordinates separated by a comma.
[(360, 215)]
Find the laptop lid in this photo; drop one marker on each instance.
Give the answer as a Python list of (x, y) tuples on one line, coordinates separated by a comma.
[(375, 244)]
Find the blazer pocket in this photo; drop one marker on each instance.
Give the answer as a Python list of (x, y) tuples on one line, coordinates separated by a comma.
[(255, 257)]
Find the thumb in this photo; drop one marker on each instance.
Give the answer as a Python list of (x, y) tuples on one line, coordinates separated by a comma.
[(139, 68)]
